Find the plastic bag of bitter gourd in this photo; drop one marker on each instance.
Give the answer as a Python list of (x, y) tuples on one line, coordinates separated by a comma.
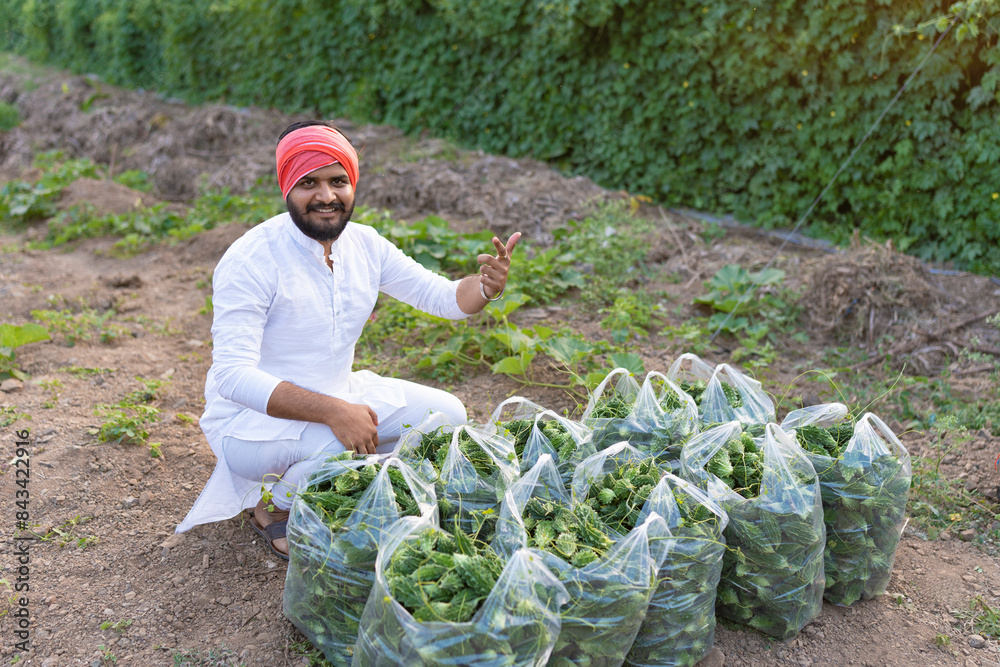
[(536, 431), (609, 409), (772, 574), (664, 417), (427, 441), (513, 419), (474, 469), (339, 517), (864, 476), (609, 577), (679, 629), (568, 442), (441, 598), (722, 393)]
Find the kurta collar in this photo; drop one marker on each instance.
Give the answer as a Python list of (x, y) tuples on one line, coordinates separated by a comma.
[(311, 246)]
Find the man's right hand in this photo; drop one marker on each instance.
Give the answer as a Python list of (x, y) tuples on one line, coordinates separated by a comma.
[(356, 426)]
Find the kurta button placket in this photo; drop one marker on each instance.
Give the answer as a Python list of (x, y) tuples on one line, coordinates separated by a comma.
[(335, 282)]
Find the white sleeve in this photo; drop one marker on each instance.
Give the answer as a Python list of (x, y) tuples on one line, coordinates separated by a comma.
[(240, 301), (404, 278)]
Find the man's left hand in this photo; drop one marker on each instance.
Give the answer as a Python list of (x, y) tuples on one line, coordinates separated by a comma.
[(493, 269)]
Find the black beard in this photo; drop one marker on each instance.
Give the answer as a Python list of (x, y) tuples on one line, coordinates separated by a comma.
[(321, 233)]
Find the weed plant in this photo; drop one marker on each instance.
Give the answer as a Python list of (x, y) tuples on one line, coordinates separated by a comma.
[(67, 533), (81, 326), (10, 117), (126, 422), (9, 414), (982, 618)]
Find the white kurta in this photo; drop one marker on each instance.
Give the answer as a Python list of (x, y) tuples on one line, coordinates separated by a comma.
[(280, 314)]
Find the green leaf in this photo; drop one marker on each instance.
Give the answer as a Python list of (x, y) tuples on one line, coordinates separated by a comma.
[(567, 350), (541, 332), (15, 336), (629, 361), (516, 365), (507, 305), (516, 340), (769, 277), (730, 278)]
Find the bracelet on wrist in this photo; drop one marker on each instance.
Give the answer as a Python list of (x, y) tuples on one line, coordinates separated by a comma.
[(483, 292)]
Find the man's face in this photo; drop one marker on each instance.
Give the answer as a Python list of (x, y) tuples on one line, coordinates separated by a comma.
[(322, 202)]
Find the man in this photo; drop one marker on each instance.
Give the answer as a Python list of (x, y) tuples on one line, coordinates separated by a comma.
[(290, 300)]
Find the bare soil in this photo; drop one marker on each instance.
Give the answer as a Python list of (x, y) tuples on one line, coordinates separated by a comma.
[(215, 593)]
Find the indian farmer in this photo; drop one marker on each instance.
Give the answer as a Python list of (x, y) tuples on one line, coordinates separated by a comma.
[(290, 299)]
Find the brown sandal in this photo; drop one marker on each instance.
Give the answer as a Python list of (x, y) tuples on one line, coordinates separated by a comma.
[(271, 532)]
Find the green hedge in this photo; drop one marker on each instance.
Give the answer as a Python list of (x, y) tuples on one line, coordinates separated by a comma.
[(718, 105)]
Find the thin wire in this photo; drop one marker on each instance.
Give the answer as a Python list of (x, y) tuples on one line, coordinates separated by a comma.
[(850, 157)]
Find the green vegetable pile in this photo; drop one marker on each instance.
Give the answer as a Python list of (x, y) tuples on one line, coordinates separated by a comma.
[(335, 498), (435, 581), (520, 431), (620, 495), (696, 390), (829, 441), (560, 439), (612, 406), (661, 436), (864, 501), (576, 535), (434, 447), (600, 622), (659, 442), (607, 602), (679, 629), (445, 599), (739, 464), (772, 572), (470, 491), (609, 577), (331, 568)]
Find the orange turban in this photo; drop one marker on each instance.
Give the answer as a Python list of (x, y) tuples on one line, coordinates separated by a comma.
[(310, 148)]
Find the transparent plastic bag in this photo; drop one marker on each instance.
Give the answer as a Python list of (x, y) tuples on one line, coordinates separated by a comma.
[(610, 407), (822, 415), (772, 575), (514, 419), (608, 596), (597, 466), (331, 571), (473, 466), (679, 629), (516, 625), (425, 441), (566, 441), (473, 480), (663, 418), (542, 482), (722, 393), (865, 490), (537, 431)]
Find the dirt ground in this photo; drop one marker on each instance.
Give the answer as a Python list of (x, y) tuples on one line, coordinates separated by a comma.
[(213, 596)]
